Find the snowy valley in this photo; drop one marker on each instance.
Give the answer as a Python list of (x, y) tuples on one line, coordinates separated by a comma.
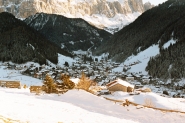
[(56, 67)]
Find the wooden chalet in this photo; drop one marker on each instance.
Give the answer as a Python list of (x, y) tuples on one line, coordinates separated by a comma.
[(120, 85), (10, 84)]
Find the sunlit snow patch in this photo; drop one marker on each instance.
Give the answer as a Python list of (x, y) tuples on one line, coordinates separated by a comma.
[(142, 58)]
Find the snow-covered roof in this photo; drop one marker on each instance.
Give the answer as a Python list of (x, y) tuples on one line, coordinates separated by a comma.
[(53, 77), (75, 80), (122, 82), (145, 77), (39, 73), (130, 75), (137, 83), (60, 81), (137, 75), (92, 77)]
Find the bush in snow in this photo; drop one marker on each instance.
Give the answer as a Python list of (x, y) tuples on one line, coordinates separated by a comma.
[(67, 83), (66, 64), (146, 90), (165, 92), (148, 102), (24, 86), (84, 82)]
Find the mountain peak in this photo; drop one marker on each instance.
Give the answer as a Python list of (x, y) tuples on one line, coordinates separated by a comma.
[(101, 13), (148, 6)]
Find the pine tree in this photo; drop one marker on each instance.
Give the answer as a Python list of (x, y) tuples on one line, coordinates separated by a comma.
[(49, 83), (66, 64)]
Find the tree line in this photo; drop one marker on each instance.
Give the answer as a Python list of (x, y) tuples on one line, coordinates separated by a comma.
[(20, 43)]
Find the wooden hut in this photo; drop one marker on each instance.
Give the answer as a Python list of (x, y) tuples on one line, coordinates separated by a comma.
[(120, 85)]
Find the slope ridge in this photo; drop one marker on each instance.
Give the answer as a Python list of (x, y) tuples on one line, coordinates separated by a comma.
[(70, 33)]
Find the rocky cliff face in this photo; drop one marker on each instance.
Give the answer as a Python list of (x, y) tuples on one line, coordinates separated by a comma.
[(94, 9)]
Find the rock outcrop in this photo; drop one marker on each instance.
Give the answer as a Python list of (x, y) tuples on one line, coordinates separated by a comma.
[(148, 5), (76, 8)]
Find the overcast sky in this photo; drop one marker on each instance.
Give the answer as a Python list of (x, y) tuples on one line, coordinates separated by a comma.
[(155, 2)]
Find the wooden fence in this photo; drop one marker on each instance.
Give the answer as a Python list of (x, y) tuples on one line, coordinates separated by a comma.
[(126, 102)]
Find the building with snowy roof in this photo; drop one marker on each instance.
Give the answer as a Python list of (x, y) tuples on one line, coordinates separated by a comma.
[(120, 85)]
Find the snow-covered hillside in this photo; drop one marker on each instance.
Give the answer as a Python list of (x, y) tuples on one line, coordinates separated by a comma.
[(79, 106), (16, 75), (7, 74), (170, 42), (140, 60), (138, 63), (62, 59), (76, 106), (177, 104)]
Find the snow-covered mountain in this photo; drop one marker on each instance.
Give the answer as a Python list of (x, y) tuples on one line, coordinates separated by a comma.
[(101, 13)]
